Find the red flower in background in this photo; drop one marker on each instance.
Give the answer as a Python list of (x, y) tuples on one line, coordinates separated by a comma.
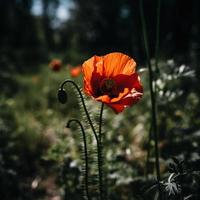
[(55, 64), (112, 79), (75, 71)]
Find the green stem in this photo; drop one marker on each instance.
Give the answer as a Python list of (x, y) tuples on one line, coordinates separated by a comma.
[(148, 151), (157, 43), (157, 34), (83, 103), (100, 158), (153, 105), (85, 154), (94, 131), (100, 121)]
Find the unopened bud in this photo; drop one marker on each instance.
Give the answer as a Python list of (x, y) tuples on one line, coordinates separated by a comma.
[(62, 96)]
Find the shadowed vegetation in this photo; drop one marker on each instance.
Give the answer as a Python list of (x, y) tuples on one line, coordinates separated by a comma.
[(39, 157)]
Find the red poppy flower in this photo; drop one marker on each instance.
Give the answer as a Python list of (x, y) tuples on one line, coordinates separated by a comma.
[(55, 64), (112, 79), (75, 71)]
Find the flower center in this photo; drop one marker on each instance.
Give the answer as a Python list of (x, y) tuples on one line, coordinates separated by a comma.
[(108, 86)]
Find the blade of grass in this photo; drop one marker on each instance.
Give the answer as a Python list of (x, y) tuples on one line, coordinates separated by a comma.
[(153, 102), (157, 35)]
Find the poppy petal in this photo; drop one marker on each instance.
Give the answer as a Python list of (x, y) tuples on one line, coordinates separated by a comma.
[(117, 108), (91, 65), (104, 99), (120, 96), (90, 68), (126, 102), (118, 63), (112, 79), (128, 81)]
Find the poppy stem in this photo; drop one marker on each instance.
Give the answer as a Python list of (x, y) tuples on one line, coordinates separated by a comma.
[(83, 103), (100, 157), (148, 150), (85, 154), (100, 121), (153, 102), (94, 131)]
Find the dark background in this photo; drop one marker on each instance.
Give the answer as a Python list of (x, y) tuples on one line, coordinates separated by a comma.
[(97, 27), (39, 158)]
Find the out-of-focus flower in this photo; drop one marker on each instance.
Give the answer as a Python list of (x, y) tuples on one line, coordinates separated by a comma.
[(171, 75), (55, 64), (75, 71), (112, 79)]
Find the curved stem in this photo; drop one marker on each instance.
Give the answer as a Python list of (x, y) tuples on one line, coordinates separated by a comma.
[(153, 104), (83, 103), (94, 131), (99, 149), (85, 153)]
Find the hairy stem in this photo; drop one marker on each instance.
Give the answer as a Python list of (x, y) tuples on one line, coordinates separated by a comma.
[(94, 132), (100, 158), (148, 151), (83, 103), (100, 121), (85, 154)]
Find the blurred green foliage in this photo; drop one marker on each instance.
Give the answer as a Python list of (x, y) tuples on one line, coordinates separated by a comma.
[(39, 157), (35, 145)]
